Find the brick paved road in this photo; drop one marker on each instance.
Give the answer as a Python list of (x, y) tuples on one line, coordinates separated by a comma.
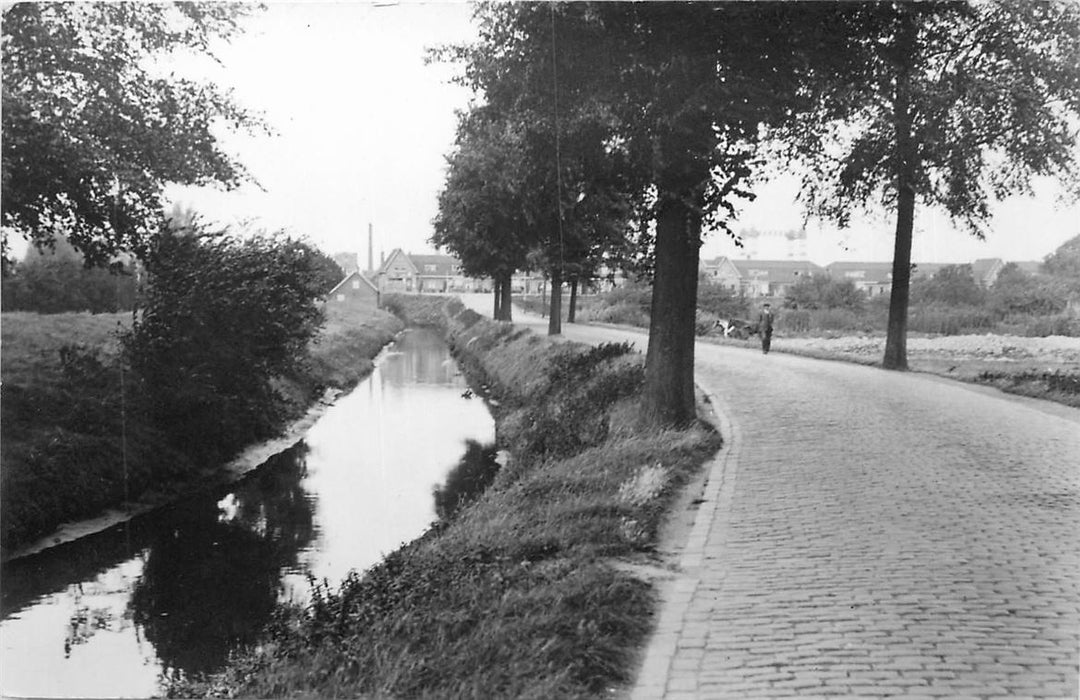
[(869, 533)]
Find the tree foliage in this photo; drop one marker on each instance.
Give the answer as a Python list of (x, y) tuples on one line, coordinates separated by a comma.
[(671, 96), (823, 292), (567, 200), (1065, 260), (952, 285), (221, 318), (1016, 292), (93, 127), (949, 104)]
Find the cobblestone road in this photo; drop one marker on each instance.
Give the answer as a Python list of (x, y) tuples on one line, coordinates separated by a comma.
[(869, 533)]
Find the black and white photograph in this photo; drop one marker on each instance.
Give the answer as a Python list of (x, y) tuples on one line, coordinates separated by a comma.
[(653, 350)]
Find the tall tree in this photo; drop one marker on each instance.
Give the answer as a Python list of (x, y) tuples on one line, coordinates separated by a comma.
[(93, 127), (696, 87), (480, 217), (949, 104), (680, 88)]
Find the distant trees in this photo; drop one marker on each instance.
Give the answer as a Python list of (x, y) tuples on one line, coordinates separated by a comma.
[(949, 104), (1065, 261), (58, 280), (1016, 292), (823, 292), (93, 128), (952, 285)]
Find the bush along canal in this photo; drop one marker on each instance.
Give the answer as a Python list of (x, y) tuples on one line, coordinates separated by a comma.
[(166, 597), (521, 591)]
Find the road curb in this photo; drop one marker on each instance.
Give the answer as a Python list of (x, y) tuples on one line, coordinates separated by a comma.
[(655, 673)]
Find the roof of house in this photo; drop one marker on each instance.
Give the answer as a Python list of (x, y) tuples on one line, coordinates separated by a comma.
[(444, 264), (775, 271), (351, 275), (872, 271)]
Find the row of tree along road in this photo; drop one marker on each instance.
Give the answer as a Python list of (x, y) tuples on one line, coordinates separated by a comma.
[(610, 134)]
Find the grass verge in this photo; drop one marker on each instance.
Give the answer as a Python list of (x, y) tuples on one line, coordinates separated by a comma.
[(517, 595), (76, 440)]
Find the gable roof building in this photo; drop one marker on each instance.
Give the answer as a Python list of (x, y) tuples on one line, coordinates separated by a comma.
[(874, 278), (406, 272), (355, 289)]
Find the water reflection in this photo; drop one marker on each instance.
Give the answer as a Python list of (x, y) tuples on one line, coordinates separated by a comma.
[(473, 473), (172, 592), (213, 582)]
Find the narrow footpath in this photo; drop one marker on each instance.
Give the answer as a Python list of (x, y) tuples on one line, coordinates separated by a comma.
[(868, 534)]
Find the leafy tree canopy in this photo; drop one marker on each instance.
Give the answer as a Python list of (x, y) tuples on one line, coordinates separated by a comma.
[(92, 129), (1065, 261), (954, 285), (952, 104), (823, 292)]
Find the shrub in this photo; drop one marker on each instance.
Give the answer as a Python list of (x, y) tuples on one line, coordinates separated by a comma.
[(952, 285), (823, 292), (222, 318)]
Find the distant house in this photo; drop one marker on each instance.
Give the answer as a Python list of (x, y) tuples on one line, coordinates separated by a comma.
[(986, 271), (874, 278), (438, 274), (757, 278), (355, 289)]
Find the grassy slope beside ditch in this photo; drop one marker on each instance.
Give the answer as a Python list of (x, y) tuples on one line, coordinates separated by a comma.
[(63, 453), (517, 595)]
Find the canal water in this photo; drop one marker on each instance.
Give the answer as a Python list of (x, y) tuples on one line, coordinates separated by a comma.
[(172, 592)]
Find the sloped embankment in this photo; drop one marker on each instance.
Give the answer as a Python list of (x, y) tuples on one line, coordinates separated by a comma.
[(517, 595)]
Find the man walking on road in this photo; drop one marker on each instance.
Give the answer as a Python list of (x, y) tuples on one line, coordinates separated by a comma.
[(765, 323)]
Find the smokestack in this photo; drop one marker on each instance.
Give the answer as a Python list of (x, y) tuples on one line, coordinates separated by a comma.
[(370, 250)]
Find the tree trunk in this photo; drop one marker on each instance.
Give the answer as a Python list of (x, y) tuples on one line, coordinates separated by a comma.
[(896, 335), (669, 362), (506, 305), (498, 298), (555, 317), (572, 313)]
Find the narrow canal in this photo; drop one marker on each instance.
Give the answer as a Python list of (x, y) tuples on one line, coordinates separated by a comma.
[(171, 593)]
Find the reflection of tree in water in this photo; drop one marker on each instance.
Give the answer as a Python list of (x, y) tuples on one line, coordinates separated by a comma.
[(212, 583), (84, 623), (473, 473)]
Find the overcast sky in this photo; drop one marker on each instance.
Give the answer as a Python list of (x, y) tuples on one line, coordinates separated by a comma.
[(363, 126)]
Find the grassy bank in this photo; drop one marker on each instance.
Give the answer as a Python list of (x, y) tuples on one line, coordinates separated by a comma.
[(75, 436), (518, 595)]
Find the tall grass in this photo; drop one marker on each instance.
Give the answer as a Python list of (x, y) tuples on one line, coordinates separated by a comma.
[(515, 596)]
